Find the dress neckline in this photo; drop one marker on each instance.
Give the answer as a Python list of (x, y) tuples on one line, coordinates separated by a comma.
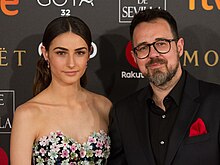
[(56, 133)]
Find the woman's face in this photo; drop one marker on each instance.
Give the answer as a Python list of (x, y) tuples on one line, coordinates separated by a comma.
[(67, 56)]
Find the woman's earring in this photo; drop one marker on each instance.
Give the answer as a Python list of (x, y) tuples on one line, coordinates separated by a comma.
[(48, 64)]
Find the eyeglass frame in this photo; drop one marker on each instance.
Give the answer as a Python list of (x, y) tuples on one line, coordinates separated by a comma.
[(149, 45)]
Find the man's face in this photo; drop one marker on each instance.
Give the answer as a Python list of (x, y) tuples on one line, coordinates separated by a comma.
[(159, 68)]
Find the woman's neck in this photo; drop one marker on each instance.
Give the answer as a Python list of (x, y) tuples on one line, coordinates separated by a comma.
[(67, 93)]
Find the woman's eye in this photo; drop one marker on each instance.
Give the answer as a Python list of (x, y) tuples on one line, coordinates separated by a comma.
[(80, 53), (61, 53)]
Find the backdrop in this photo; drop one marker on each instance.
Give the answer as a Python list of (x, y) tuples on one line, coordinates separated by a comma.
[(111, 71)]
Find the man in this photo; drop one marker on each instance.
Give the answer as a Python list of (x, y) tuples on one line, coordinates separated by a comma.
[(175, 120)]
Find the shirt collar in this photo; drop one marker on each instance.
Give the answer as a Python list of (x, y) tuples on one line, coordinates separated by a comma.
[(175, 93)]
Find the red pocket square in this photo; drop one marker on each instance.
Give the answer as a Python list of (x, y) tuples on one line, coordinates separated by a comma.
[(197, 128)]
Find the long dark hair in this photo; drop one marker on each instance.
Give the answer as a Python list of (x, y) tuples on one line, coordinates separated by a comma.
[(56, 27)]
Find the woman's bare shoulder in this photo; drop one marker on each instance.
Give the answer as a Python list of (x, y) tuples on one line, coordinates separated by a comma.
[(26, 119), (102, 103), (29, 109), (101, 100)]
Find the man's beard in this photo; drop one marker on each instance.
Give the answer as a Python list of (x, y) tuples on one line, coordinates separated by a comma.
[(158, 76)]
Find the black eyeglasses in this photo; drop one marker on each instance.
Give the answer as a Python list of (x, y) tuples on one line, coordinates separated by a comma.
[(161, 46)]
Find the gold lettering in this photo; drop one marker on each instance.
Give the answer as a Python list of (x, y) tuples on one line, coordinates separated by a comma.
[(191, 4), (190, 58), (2, 50), (205, 4), (19, 52), (206, 58), (217, 4)]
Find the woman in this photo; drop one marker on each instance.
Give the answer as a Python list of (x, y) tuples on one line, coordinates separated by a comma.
[(64, 123)]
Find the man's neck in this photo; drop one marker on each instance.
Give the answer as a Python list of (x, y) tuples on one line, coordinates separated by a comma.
[(160, 92)]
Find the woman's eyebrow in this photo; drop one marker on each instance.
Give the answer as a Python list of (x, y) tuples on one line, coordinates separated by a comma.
[(62, 48)]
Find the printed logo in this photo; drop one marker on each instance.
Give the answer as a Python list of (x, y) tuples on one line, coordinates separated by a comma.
[(128, 8), (87, 1), (130, 74), (45, 3), (6, 7), (65, 3), (205, 4), (128, 54), (7, 108)]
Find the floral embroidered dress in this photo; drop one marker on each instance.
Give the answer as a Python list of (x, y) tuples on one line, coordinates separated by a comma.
[(58, 149)]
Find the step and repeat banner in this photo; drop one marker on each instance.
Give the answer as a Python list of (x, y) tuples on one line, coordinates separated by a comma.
[(111, 70)]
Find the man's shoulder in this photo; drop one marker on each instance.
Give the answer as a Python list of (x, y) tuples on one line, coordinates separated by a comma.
[(209, 84), (135, 96), (205, 88), (209, 87), (125, 106)]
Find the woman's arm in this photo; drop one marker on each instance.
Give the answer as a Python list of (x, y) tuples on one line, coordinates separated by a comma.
[(22, 136)]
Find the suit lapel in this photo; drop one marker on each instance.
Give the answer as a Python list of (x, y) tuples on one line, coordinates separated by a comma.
[(142, 125), (188, 109)]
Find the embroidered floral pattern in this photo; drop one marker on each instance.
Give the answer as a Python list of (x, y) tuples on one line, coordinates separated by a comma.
[(60, 150)]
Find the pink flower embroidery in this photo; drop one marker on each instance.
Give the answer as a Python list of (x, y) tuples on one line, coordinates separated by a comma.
[(82, 153), (98, 153), (43, 151), (65, 154), (73, 148), (91, 140), (99, 144)]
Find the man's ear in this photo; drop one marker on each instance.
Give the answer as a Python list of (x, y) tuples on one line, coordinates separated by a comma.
[(134, 57), (180, 46)]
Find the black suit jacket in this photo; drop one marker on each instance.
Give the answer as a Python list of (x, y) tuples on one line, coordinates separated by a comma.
[(129, 128)]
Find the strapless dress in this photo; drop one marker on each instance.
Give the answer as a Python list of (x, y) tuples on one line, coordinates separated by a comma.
[(58, 149)]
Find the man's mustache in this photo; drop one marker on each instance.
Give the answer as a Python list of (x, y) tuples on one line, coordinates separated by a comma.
[(156, 60)]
